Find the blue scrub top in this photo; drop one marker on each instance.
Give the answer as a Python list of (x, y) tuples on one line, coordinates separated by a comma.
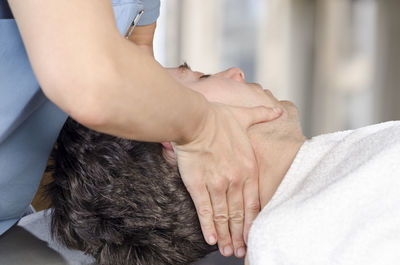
[(29, 122)]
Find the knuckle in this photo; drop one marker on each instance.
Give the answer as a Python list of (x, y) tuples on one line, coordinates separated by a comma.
[(221, 219), (235, 186), (232, 174), (194, 188), (253, 206), (219, 189), (205, 212), (219, 184), (249, 165), (236, 217), (236, 181)]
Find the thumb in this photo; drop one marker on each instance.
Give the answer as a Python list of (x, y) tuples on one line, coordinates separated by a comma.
[(254, 115)]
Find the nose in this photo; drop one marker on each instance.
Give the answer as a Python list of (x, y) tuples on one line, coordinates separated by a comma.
[(234, 73)]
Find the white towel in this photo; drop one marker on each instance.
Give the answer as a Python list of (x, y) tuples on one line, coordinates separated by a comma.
[(339, 203)]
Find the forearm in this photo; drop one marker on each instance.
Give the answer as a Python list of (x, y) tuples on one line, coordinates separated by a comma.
[(141, 101), (100, 78), (128, 94)]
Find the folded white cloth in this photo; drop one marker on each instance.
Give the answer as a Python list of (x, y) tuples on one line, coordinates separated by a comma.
[(339, 203)]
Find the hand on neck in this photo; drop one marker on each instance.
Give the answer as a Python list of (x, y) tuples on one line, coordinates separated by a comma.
[(275, 144)]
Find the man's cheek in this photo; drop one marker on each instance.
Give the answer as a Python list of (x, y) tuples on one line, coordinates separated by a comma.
[(227, 94), (211, 93), (225, 98)]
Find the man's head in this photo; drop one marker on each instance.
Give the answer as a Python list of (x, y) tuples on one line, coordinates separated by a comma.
[(275, 143), (230, 87), (120, 201)]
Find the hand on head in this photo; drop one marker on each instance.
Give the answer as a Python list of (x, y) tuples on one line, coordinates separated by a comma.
[(119, 200), (218, 166)]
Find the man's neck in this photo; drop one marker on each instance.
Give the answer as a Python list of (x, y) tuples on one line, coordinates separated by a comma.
[(275, 153)]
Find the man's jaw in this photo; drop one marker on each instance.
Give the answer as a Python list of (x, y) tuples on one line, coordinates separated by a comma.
[(275, 153)]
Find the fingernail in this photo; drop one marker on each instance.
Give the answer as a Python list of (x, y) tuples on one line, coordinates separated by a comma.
[(241, 252), (228, 251), (277, 110), (212, 240)]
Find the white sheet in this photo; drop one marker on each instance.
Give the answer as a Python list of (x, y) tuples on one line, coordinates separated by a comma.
[(338, 204)]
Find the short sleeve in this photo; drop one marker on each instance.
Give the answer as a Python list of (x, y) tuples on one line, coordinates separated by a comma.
[(151, 12)]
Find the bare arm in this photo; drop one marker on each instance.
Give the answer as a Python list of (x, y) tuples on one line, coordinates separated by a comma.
[(101, 79), (109, 84), (143, 37)]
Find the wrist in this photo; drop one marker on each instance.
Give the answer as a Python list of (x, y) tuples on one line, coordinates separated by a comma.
[(200, 115)]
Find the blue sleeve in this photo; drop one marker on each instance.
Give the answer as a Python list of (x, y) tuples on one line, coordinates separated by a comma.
[(151, 12), (29, 126)]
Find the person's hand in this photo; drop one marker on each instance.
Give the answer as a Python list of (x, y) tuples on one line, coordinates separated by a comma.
[(220, 172)]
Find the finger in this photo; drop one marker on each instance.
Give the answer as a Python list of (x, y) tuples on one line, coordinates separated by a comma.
[(220, 209), (170, 156), (201, 200), (251, 116), (167, 145), (236, 218), (252, 205)]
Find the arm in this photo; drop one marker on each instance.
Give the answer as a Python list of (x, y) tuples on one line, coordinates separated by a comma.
[(85, 66), (143, 37), (109, 84)]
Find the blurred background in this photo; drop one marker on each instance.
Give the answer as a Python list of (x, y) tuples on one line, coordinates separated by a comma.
[(337, 60)]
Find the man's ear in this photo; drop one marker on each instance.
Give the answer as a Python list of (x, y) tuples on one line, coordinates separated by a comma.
[(169, 154)]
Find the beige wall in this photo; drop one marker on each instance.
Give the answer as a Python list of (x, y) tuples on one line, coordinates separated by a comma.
[(338, 60), (388, 61), (321, 54)]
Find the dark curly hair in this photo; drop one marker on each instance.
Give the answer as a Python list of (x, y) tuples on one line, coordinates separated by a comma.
[(119, 201)]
